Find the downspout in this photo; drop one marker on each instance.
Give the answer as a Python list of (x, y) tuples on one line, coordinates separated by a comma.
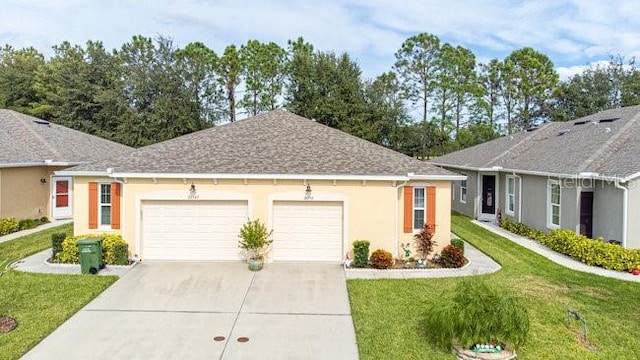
[(625, 197), (395, 247)]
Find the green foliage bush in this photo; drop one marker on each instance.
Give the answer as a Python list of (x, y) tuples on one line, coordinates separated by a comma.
[(56, 243), (27, 224), (458, 243), (120, 253), (452, 257), (381, 259), (112, 249), (8, 226), (477, 312), (594, 252), (115, 250), (360, 253)]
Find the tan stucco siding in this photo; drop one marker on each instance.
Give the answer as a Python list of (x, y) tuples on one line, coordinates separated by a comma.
[(22, 193), (443, 214), (369, 207)]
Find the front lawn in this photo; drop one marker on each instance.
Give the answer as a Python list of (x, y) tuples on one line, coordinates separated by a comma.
[(40, 302), (388, 314)]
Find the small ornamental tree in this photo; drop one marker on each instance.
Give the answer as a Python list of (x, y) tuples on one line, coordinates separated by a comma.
[(255, 238), (424, 240)]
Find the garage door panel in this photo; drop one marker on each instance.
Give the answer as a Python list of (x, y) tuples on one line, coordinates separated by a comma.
[(192, 230), (307, 231)]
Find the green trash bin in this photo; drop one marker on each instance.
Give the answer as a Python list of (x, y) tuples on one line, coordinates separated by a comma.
[(90, 255)]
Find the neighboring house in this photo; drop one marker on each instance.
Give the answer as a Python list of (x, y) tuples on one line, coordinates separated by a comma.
[(581, 175), (31, 150), (318, 188)]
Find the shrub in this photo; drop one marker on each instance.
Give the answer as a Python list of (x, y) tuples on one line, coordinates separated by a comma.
[(8, 226), (112, 245), (27, 224), (477, 313), (56, 243), (381, 259), (458, 243), (112, 250), (44, 220), (120, 253), (594, 252), (360, 253), (452, 257), (254, 238), (424, 240)]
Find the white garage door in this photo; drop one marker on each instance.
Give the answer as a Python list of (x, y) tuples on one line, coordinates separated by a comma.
[(192, 230), (307, 231)]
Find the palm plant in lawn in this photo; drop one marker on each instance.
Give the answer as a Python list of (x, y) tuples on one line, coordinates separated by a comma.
[(255, 239), (477, 313)]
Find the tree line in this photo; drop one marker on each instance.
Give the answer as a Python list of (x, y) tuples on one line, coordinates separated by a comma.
[(436, 98)]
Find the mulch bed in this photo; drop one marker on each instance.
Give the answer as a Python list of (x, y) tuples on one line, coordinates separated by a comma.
[(7, 324)]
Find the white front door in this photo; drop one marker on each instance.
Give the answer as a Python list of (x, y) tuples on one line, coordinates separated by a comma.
[(61, 196)]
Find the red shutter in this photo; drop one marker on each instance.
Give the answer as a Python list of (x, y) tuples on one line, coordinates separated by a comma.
[(115, 205), (93, 205), (408, 209), (431, 205)]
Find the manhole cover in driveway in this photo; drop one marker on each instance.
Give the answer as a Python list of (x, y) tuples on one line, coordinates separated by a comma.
[(219, 338), (7, 324), (243, 339)]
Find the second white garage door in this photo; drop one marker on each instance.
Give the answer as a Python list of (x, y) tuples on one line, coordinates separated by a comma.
[(192, 230), (307, 231)]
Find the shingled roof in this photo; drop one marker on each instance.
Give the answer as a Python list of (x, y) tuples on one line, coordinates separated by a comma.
[(29, 141), (606, 143), (275, 143)]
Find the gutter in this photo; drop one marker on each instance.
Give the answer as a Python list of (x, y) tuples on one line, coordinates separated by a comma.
[(40, 163), (625, 201)]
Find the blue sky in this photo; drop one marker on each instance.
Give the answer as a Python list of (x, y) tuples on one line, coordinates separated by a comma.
[(572, 33)]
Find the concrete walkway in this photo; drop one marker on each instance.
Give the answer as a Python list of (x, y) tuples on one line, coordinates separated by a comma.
[(556, 257), (478, 264), (46, 226), (37, 263)]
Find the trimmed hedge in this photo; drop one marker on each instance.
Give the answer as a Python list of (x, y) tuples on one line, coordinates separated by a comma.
[(56, 244), (8, 226), (594, 252), (458, 243), (11, 225), (360, 253), (115, 250)]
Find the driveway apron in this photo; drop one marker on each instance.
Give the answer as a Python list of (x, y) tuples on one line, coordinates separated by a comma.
[(184, 310)]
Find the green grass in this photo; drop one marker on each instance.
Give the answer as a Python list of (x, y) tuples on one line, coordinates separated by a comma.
[(388, 314), (40, 302)]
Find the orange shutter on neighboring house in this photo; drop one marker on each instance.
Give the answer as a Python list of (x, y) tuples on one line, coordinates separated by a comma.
[(408, 209), (93, 205), (115, 205), (431, 205)]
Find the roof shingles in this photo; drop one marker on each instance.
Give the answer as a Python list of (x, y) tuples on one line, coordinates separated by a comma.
[(277, 143), (28, 140), (608, 148)]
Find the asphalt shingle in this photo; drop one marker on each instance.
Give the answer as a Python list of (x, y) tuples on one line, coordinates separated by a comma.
[(26, 140), (277, 142), (607, 143)]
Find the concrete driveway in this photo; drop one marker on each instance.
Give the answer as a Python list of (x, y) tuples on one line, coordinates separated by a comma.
[(175, 310)]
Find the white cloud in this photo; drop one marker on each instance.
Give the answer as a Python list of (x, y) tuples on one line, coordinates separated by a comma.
[(570, 31)]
